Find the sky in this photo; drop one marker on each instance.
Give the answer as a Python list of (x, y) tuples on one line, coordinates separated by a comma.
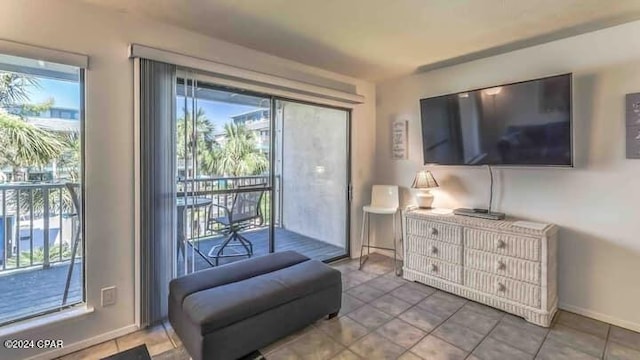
[(66, 94), (218, 113)]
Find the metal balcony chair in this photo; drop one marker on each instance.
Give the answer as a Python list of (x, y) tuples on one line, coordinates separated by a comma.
[(74, 191), (244, 213)]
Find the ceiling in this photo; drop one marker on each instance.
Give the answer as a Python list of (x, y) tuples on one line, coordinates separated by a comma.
[(378, 39)]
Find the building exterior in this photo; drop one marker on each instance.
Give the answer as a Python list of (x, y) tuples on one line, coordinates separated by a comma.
[(257, 121)]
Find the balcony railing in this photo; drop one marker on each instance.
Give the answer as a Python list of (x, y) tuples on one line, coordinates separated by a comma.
[(37, 225), (38, 220), (221, 191)]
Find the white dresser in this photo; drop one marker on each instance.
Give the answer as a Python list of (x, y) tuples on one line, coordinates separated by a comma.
[(508, 267)]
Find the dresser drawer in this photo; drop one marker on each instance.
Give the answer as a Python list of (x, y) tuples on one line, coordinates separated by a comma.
[(514, 268), (500, 286), (435, 230), (435, 249), (511, 245), (434, 267)]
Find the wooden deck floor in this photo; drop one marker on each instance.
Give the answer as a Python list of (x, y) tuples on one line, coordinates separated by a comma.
[(39, 290), (284, 240)]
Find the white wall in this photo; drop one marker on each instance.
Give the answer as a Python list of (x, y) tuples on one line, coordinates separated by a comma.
[(596, 204), (104, 36)]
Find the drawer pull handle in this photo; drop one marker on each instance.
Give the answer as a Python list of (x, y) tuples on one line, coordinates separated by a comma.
[(500, 287), (434, 268), (433, 231), (434, 250), (500, 244), (500, 265)]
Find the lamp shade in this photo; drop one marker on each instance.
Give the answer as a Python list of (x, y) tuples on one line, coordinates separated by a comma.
[(424, 180)]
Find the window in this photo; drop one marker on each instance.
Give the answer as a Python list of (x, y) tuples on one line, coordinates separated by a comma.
[(41, 242)]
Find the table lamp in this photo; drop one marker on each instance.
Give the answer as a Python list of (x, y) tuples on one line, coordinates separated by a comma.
[(424, 181)]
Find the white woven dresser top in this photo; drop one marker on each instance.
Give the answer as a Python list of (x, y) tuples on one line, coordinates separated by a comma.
[(505, 225)]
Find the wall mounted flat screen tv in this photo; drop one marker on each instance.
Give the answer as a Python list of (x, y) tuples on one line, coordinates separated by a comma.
[(521, 124)]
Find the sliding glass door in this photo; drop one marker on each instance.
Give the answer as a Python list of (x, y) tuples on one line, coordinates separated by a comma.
[(235, 197), (312, 164), (223, 175)]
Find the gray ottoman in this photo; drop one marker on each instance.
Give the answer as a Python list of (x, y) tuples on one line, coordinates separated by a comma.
[(229, 311)]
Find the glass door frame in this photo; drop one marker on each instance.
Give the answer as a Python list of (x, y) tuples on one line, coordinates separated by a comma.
[(211, 83), (349, 195), (193, 81)]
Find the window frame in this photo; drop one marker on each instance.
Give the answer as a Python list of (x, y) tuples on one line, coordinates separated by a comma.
[(73, 60)]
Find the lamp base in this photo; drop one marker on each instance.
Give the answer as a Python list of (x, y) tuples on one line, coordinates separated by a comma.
[(424, 199)]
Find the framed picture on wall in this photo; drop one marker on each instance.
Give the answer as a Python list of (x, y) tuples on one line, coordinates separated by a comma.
[(633, 125), (399, 139)]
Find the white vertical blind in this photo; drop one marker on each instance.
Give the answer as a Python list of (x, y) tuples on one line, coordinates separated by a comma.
[(157, 186)]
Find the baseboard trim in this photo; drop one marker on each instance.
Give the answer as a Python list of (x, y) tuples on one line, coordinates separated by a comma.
[(599, 316), (83, 344)]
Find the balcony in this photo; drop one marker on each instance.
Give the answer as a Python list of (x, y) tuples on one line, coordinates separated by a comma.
[(37, 223), (221, 191)]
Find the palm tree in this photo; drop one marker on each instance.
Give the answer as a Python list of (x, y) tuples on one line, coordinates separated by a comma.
[(201, 140), (69, 159), (14, 88), (60, 200), (240, 155), (23, 144), (237, 156)]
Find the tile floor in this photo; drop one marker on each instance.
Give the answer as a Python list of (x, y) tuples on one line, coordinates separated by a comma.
[(386, 317)]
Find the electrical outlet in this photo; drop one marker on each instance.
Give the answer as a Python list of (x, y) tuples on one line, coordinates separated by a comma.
[(108, 296)]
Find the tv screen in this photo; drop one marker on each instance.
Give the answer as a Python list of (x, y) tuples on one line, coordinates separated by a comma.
[(526, 123)]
